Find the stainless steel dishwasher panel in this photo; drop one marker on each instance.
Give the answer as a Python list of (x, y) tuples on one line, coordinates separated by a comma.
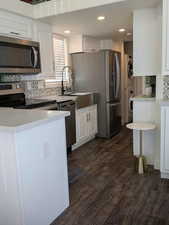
[(70, 122)]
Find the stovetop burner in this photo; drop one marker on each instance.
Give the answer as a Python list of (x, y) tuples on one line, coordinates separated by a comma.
[(18, 101)]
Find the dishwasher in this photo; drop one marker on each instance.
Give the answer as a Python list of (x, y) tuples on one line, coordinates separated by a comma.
[(70, 122)]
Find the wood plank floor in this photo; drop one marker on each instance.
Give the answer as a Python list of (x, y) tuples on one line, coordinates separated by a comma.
[(107, 191)]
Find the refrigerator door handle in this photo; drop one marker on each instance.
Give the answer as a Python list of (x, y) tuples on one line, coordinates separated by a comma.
[(114, 84), (114, 104), (117, 75)]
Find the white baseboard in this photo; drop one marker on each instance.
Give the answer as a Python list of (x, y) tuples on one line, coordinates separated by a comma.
[(80, 143)]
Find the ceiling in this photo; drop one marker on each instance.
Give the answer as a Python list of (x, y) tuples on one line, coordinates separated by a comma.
[(117, 15)]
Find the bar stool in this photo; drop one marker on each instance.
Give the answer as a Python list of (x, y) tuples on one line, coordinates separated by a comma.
[(141, 127)]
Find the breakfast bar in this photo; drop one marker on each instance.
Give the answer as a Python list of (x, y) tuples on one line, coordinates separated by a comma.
[(33, 166)]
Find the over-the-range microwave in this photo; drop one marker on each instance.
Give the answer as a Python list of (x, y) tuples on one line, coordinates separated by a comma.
[(19, 56)]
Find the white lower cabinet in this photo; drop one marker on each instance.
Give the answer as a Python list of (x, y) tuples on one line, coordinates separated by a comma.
[(165, 142), (86, 125)]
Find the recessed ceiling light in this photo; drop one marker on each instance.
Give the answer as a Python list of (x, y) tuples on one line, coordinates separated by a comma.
[(121, 30), (100, 18), (129, 34), (67, 31)]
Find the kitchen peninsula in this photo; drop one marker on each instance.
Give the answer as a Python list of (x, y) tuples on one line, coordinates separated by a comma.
[(33, 166)]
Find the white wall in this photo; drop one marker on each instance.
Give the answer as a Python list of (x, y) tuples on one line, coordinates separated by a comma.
[(17, 6)]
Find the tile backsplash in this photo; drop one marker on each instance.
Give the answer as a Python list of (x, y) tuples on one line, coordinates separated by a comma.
[(32, 88), (166, 87), (40, 92)]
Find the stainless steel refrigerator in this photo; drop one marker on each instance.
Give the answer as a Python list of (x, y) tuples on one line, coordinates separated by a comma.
[(100, 72)]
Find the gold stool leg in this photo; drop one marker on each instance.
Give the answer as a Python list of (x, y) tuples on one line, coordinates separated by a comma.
[(141, 159)]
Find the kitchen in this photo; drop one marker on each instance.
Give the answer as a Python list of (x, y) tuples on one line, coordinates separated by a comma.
[(57, 106)]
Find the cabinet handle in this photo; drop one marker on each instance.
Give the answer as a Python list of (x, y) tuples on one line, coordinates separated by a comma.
[(89, 116), (14, 33), (53, 66)]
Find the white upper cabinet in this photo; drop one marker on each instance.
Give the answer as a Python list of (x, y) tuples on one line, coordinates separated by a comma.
[(15, 26), (90, 44), (80, 43), (43, 34), (151, 40), (147, 42), (165, 40)]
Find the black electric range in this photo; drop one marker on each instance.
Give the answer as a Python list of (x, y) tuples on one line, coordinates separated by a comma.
[(19, 101)]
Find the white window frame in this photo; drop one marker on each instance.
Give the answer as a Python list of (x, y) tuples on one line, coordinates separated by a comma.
[(54, 80)]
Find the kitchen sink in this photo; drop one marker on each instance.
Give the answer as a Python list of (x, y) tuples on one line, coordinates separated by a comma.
[(84, 99)]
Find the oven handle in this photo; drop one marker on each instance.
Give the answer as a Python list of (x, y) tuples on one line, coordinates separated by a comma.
[(35, 53), (48, 107)]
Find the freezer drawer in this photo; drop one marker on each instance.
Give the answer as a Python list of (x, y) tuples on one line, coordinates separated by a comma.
[(113, 118)]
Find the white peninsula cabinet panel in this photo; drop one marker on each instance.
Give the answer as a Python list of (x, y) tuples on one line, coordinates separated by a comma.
[(15, 26), (33, 171), (86, 125), (165, 142), (43, 34)]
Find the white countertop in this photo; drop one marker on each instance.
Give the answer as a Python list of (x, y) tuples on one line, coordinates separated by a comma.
[(20, 119), (143, 98), (164, 102), (59, 98)]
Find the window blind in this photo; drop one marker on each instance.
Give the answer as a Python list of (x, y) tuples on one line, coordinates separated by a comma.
[(59, 58)]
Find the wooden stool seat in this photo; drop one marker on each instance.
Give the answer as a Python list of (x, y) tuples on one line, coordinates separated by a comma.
[(141, 126)]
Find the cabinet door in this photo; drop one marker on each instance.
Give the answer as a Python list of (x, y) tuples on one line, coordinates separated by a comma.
[(165, 140), (147, 42), (81, 125), (92, 120), (90, 44), (46, 51), (16, 26), (165, 37), (75, 44), (43, 34)]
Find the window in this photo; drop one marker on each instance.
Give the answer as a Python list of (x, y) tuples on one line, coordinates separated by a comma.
[(60, 58)]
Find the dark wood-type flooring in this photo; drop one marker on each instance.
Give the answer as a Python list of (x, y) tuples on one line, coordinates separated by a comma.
[(105, 189)]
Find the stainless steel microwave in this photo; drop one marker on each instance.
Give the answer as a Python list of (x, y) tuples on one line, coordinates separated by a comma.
[(19, 56)]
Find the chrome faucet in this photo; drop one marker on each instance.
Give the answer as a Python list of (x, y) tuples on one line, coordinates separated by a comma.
[(62, 83)]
